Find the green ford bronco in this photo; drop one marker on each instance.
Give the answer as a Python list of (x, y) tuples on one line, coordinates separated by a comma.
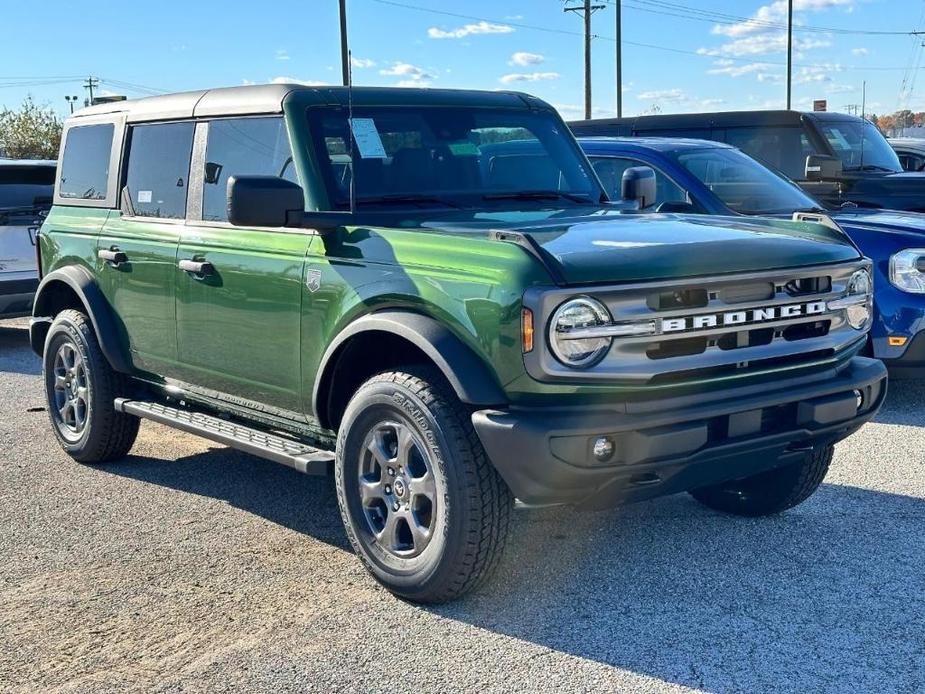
[(388, 285)]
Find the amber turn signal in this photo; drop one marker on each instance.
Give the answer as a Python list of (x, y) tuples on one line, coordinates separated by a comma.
[(897, 340), (526, 329)]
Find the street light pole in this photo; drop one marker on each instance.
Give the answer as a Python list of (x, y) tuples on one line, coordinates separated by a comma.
[(789, 49), (344, 52), (619, 59)]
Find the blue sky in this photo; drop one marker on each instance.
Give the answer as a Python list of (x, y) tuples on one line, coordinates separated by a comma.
[(698, 55)]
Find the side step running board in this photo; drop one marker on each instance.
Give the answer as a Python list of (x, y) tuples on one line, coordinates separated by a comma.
[(279, 449)]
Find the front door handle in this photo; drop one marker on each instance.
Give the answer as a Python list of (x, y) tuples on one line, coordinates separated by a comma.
[(113, 256), (199, 268)]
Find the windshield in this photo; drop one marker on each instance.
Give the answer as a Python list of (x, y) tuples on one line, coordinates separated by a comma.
[(742, 184), (450, 157), (859, 145), (26, 186)]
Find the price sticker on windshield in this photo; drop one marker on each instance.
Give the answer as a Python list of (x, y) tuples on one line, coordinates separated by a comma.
[(367, 139)]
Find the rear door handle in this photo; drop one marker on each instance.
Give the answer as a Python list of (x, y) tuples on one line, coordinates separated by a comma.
[(197, 267), (113, 256)]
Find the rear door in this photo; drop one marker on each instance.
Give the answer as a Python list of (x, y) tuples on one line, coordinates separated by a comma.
[(238, 318), (137, 251), (25, 196)]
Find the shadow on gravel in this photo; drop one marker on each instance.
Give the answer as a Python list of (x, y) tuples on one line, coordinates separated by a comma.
[(826, 597), (300, 502), (905, 403), (15, 353)]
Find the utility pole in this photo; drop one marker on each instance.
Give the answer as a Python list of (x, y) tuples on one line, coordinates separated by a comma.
[(344, 53), (587, 9), (90, 85), (864, 99), (789, 49), (618, 8)]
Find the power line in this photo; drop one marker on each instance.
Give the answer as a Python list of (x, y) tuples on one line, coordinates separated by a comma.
[(681, 51), (714, 17)]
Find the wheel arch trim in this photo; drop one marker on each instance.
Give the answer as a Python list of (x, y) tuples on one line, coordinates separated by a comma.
[(468, 375), (82, 283)]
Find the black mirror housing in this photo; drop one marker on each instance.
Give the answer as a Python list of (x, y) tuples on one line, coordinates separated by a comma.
[(638, 184), (264, 201), (822, 167)]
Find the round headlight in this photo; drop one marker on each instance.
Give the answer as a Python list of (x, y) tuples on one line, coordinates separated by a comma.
[(860, 284), (906, 270), (567, 323)]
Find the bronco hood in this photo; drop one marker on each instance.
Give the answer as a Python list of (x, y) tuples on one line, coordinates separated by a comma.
[(640, 247)]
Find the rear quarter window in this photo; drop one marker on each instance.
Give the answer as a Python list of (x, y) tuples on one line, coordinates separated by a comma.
[(85, 162)]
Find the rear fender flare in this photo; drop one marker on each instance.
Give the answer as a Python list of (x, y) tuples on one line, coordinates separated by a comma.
[(82, 283)]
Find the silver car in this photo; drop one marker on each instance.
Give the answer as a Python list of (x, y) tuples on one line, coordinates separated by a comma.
[(911, 152), (26, 188)]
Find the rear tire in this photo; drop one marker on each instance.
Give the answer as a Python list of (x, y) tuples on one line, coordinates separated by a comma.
[(769, 492), (423, 507), (80, 387)]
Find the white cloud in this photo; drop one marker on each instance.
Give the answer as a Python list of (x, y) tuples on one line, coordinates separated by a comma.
[(482, 27), (407, 71), (282, 54), (840, 89), (529, 77), (860, 51), (710, 103), (662, 95), (294, 80), (413, 83), (760, 44), (524, 59), (574, 111), (776, 13), (733, 69), (362, 62)]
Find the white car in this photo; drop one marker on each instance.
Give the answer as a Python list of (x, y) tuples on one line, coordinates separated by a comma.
[(26, 188), (911, 152)]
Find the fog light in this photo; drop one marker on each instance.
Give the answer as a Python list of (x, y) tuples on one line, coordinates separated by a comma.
[(859, 398), (603, 448)]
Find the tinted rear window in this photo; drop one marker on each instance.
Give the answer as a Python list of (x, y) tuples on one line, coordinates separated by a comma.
[(26, 186), (85, 164), (158, 169)]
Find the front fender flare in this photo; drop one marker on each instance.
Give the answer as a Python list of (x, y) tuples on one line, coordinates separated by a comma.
[(79, 280), (473, 382)]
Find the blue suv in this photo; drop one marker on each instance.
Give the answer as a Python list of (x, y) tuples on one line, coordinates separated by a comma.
[(704, 177)]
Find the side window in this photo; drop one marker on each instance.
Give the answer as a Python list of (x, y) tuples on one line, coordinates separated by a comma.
[(240, 147), (911, 162), (158, 169), (783, 148), (85, 164), (610, 171)]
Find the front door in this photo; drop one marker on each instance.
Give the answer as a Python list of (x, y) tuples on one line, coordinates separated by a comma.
[(239, 290), (137, 249)]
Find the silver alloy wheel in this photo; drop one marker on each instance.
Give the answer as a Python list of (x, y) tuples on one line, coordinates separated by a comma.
[(71, 393), (398, 490)]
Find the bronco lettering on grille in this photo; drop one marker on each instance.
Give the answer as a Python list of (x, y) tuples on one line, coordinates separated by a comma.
[(705, 321)]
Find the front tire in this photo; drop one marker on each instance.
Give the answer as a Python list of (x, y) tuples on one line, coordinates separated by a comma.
[(80, 387), (769, 492), (423, 507)]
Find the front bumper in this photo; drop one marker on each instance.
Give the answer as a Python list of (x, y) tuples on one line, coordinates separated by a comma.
[(677, 444), (911, 364)]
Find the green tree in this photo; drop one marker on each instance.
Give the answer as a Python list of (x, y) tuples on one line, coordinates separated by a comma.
[(31, 132)]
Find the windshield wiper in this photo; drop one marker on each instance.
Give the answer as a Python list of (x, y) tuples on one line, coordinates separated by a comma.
[(537, 195), (401, 198)]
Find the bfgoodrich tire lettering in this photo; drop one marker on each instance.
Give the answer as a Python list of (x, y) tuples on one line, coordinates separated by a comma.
[(80, 387), (772, 491), (464, 529)]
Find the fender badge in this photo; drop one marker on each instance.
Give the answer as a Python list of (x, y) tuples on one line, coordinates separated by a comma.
[(313, 280)]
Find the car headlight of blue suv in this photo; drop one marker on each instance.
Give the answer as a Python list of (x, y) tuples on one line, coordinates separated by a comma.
[(907, 270)]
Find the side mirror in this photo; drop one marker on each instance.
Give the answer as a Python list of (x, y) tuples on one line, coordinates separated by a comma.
[(264, 201), (639, 184), (822, 167)]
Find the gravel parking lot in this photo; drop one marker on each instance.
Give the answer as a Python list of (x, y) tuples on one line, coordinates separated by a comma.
[(192, 567)]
